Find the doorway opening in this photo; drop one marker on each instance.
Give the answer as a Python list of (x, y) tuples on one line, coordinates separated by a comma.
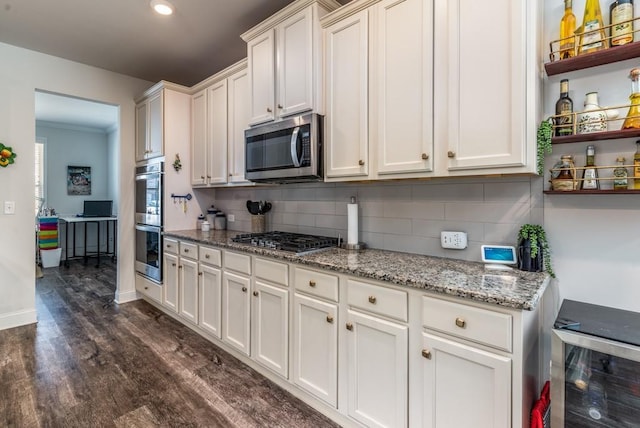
[(77, 152)]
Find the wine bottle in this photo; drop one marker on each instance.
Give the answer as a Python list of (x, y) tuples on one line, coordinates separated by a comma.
[(621, 15), (567, 32), (564, 111), (592, 37), (590, 175)]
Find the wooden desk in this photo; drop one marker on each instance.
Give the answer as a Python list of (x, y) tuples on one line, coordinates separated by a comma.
[(72, 220)]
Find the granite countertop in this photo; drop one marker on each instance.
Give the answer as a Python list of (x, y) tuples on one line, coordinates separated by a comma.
[(468, 280)]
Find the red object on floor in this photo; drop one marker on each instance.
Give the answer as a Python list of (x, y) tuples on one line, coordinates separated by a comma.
[(539, 413)]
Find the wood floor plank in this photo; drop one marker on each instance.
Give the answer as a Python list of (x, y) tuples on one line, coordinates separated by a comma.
[(91, 362)]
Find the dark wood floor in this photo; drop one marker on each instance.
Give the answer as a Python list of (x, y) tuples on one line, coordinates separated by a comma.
[(89, 362)]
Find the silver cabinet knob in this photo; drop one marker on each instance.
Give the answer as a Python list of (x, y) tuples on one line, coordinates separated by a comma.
[(372, 300), (460, 322), (269, 110), (361, 162), (280, 106), (244, 289), (425, 156), (349, 326), (255, 293), (329, 319), (426, 354), (451, 154)]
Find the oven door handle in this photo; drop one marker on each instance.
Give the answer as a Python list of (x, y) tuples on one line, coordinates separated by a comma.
[(146, 228), (294, 148)]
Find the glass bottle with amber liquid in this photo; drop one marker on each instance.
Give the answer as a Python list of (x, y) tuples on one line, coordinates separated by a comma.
[(633, 116), (564, 111), (590, 174), (592, 36), (567, 32), (636, 167)]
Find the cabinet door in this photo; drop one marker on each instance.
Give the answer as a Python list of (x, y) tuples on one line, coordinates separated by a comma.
[(170, 282), (199, 138), (188, 286), (485, 105), (210, 299), (217, 115), (347, 80), (270, 325), (156, 126), (458, 376), (262, 77), (377, 371), (238, 86), (235, 311), (315, 347), (295, 64), (404, 86), (142, 113)]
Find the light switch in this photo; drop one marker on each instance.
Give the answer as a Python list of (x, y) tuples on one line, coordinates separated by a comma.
[(9, 207)]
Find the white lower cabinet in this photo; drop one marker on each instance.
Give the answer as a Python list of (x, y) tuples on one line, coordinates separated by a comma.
[(464, 386), (315, 347), (210, 288), (170, 283), (270, 327), (188, 286), (377, 371), (236, 312)]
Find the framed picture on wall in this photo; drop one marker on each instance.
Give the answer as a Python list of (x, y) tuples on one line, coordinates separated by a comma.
[(78, 180)]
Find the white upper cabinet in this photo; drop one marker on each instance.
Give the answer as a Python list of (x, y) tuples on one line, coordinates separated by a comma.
[(379, 90), (219, 118), (285, 62), (347, 95), (403, 86), (162, 120), (452, 88), (487, 85)]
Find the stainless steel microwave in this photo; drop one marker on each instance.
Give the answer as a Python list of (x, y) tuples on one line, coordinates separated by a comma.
[(289, 151)]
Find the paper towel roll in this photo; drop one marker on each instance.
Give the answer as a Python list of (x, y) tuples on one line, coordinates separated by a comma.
[(352, 224)]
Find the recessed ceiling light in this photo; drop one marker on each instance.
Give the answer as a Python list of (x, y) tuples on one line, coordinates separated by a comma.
[(163, 7)]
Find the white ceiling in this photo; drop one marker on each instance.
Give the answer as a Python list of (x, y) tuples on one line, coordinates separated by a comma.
[(76, 112), (201, 38)]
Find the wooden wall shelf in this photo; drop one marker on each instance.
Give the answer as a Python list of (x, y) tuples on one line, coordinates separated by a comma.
[(592, 192), (607, 56), (597, 136)]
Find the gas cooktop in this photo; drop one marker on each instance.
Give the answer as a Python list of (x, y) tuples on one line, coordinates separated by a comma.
[(294, 242)]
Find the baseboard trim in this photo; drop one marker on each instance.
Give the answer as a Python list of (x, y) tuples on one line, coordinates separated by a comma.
[(125, 297), (17, 319)]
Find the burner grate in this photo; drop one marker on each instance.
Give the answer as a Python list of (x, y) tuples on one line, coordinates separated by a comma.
[(286, 241)]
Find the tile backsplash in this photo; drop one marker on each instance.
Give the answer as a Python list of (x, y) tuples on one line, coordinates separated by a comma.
[(405, 216)]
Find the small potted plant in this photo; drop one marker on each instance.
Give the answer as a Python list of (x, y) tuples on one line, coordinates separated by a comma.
[(533, 249)]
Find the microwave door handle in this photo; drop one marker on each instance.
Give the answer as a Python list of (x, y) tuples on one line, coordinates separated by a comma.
[(294, 147)]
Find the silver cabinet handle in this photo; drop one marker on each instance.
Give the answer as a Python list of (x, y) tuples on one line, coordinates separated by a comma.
[(280, 106), (372, 300), (255, 293), (244, 289), (329, 319), (349, 326), (451, 154), (269, 110), (426, 353), (361, 162), (425, 156), (460, 322)]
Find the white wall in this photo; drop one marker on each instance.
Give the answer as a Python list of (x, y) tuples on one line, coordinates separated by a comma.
[(595, 239), (76, 147), (21, 73)]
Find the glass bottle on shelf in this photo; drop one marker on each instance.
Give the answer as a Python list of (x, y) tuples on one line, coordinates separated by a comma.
[(590, 173), (564, 111), (633, 116), (567, 32), (563, 175), (636, 167), (621, 19), (621, 175), (593, 118), (592, 37)]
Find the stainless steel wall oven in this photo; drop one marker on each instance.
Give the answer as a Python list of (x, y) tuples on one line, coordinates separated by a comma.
[(149, 220)]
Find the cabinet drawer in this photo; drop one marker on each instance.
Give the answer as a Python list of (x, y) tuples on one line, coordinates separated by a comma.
[(149, 288), (189, 250), (275, 272), (170, 246), (468, 322), (210, 256), (317, 284), (238, 262), (377, 299)]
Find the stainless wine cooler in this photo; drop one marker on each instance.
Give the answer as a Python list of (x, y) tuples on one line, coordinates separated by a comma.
[(595, 367)]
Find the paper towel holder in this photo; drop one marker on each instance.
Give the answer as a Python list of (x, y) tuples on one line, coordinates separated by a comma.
[(350, 247)]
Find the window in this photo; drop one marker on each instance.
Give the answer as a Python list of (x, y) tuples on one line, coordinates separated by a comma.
[(41, 190)]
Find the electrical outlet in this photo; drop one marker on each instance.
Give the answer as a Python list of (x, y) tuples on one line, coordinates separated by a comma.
[(453, 240), (9, 207), (231, 217)]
